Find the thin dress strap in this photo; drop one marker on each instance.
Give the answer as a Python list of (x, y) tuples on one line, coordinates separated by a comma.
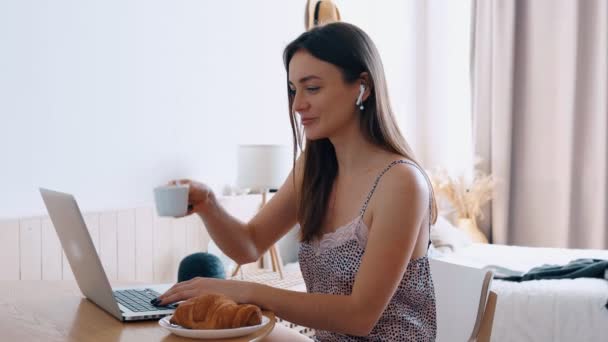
[(401, 161)]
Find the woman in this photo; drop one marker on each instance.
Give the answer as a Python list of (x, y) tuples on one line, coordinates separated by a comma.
[(363, 204)]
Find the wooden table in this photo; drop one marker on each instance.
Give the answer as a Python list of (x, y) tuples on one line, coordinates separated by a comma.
[(42, 310)]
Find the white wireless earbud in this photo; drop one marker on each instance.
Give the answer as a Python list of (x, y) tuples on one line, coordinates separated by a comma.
[(360, 98)]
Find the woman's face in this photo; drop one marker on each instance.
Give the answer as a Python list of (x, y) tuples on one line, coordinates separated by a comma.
[(324, 102)]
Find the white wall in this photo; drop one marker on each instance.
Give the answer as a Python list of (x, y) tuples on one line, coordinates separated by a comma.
[(106, 99)]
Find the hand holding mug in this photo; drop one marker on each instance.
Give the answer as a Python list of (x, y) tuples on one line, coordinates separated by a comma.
[(199, 196)]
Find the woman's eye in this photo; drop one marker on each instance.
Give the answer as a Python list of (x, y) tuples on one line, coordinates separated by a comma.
[(292, 91)]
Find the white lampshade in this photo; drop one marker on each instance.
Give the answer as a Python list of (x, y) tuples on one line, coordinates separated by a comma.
[(262, 167)]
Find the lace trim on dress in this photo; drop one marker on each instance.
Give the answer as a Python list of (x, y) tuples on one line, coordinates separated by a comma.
[(354, 230)]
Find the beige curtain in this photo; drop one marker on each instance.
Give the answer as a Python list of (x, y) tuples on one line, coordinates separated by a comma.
[(439, 128), (540, 119)]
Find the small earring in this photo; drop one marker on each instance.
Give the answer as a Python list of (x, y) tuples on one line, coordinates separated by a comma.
[(360, 98)]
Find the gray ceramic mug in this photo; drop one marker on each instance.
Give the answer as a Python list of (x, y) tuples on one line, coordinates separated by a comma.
[(172, 200)]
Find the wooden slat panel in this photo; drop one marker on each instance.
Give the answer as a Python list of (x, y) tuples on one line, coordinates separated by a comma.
[(132, 244), (196, 235), (126, 244), (9, 253), (144, 244), (51, 252), (178, 250), (163, 258), (30, 251), (108, 243)]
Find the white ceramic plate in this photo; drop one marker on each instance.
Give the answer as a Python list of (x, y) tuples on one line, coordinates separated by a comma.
[(210, 333)]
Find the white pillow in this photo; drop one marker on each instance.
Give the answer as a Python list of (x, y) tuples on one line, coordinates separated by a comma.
[(447, 238)]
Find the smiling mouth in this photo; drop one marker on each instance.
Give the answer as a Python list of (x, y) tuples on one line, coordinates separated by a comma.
[(308, 121)]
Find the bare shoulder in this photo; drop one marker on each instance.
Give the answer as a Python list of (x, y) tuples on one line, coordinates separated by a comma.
[(405, 174), (403, 185)]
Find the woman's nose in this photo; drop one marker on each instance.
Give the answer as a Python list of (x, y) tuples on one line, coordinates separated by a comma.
[(299, 103)]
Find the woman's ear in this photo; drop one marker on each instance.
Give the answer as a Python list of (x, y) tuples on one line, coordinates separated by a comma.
[(365, 81)]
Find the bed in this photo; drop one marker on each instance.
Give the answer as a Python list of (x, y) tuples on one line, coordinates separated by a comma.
[(541, 310)]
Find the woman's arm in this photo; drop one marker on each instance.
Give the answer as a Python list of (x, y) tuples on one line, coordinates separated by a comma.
[(246, 242), (401, 203), (399, 207)]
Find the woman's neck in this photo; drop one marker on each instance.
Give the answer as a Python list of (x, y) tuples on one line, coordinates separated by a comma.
[(354, 153)]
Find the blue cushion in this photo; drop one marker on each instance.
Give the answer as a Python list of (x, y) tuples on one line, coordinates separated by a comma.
[(200, 265)]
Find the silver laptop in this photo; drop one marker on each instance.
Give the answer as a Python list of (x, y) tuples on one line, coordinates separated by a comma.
[(126, 304)]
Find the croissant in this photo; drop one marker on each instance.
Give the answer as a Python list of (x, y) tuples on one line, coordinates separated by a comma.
[(214, 311)]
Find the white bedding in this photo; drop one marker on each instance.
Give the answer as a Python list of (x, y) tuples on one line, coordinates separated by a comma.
[(543, 310)]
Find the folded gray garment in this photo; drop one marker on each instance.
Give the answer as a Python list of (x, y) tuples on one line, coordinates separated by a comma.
[(579, 268)]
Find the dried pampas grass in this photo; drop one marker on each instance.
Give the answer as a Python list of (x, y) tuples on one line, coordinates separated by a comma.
[(466, 197)]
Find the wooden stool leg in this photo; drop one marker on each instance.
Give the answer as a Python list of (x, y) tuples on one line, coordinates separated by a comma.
[(277, 262), (273, 259), (236, 270)]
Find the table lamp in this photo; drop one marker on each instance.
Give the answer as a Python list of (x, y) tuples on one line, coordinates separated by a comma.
[(260, 169)]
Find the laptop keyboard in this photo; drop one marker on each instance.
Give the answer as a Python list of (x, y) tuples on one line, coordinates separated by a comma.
[(139, 300)]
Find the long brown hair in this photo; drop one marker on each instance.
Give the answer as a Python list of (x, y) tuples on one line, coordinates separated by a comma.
[(352, 51)]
